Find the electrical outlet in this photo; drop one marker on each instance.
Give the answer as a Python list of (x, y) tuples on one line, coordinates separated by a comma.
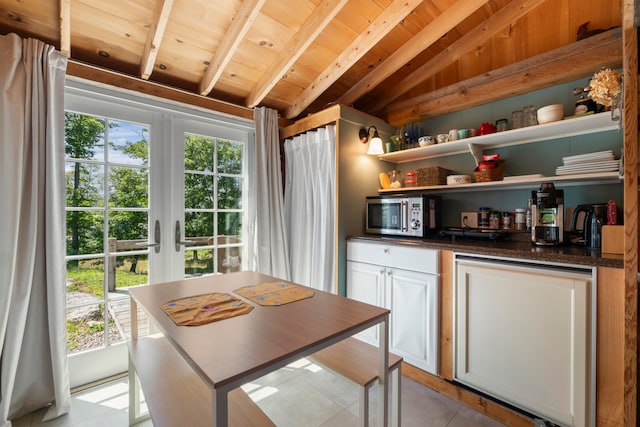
[(469, 219)]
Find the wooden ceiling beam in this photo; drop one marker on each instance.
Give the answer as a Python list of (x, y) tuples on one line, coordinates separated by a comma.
[(577, 60), (379, 28), (241, 23), (65, 26), (437, 28), (310, 29), (156, 32), (513, 11), (145, 87)]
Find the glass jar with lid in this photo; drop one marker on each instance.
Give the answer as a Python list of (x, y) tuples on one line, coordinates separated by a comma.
[(410, 179)]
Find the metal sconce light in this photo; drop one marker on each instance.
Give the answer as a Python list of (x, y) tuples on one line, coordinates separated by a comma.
[(375, 145)]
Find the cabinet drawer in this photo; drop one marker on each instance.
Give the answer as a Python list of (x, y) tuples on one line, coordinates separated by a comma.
[(391, 255)]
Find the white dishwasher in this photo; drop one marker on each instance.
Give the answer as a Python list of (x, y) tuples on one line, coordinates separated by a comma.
[(525, 334)]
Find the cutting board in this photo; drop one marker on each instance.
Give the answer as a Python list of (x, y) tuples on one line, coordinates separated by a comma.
[(613, 239)]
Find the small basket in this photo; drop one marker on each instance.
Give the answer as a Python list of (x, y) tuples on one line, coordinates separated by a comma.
[(495, 174), (434, 175)]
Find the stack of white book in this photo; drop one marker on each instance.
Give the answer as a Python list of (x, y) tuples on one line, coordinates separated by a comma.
[(600, 161)]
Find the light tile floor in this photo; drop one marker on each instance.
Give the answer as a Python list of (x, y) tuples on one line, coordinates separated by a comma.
[(299, 395)]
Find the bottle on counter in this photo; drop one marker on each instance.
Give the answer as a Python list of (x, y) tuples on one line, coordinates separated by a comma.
[(521, 219), (528, 219), (496, 218), (484, 217), (506, 220)]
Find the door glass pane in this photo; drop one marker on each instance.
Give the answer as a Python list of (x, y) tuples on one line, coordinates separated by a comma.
[(85, 280), (201, 191), (198, 262), (230, 157), (230, 225), (85, 230), (213, 183), (107, 217), (229, 192)]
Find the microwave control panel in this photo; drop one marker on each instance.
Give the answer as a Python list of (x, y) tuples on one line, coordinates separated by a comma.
[(415, 215)]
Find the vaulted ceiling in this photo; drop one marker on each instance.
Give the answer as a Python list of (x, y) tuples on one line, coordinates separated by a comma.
[(299, 56)]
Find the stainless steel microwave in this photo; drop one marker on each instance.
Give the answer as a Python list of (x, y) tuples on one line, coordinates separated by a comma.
[(403, 215)]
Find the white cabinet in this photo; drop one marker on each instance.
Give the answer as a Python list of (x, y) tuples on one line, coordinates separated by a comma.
[(366, 283), (524, 334), (404, 280)]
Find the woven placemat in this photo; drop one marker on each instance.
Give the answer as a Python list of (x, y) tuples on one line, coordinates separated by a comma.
[(206, 308), (275, 293)]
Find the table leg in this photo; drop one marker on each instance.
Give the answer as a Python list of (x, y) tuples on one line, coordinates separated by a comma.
[(134, 395), (134, 319), (219, 406), (383, 376)]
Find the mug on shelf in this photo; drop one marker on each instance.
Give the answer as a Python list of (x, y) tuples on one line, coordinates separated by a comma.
[(453, 134)]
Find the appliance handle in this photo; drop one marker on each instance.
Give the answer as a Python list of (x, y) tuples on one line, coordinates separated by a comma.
[(404, 215), (585, 209)]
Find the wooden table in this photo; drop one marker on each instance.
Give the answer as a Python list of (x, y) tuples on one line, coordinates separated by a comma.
[(229, 353)]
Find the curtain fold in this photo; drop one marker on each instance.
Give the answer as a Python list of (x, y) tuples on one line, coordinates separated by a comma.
[(310, 207), (271, 254), (33, 361)]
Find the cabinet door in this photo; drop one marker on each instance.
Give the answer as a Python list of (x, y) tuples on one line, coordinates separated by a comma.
[(413, 300), (523, 335), (365, 283)]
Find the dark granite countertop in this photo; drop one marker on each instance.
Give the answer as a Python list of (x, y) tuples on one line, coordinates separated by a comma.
[(510, 248)]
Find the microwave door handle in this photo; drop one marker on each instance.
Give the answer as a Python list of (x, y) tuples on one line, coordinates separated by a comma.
[(404, 215)]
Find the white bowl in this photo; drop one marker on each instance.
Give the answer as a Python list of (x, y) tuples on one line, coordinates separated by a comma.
[(458, 179), (423, 141), (550, 113)]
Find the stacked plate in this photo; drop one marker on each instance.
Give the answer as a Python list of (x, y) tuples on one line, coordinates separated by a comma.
[(601, 161)]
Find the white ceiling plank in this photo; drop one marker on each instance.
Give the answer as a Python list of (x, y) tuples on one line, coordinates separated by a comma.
[(156, 32), (241, 23), (379, 28), (310, 29)]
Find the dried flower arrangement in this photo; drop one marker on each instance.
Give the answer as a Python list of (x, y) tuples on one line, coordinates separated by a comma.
[(605, 85)]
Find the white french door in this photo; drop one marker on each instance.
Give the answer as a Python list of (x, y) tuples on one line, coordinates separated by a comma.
[(208, 207), (153, 194)]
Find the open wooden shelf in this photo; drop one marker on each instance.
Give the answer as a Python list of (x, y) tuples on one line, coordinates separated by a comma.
[(564, 128), (516, 183)]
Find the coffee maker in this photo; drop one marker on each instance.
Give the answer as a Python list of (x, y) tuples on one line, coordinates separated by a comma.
[(547, 215)]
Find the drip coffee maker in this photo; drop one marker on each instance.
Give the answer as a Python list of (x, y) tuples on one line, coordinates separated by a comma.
[(547, 215)]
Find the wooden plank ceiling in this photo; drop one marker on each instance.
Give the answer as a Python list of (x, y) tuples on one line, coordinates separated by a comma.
[(299, 56)]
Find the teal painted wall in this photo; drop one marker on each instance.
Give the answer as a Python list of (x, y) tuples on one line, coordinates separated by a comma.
[(534, 158)]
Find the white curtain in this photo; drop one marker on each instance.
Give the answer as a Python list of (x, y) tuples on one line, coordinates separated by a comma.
[(271, 255), (33, 361), (310, 193)]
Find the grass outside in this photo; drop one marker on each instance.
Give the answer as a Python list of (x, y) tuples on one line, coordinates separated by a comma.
[(88, 277)]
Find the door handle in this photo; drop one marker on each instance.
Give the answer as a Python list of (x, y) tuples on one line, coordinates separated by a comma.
[(156, 239), (178, 238)]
